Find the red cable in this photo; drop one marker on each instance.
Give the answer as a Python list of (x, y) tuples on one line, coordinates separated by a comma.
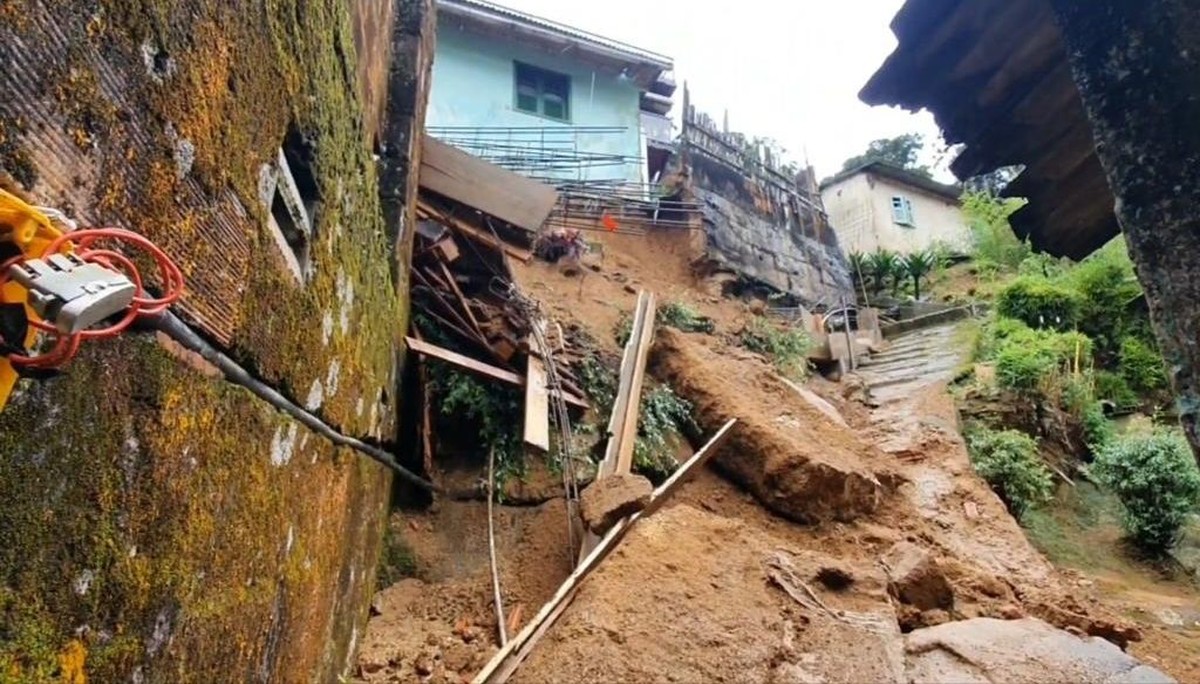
[(143, 305)]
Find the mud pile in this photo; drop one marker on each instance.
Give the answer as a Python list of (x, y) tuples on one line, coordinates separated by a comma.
[(796, 460)]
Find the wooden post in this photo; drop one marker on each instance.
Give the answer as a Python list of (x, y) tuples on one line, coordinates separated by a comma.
[(1137, 67)]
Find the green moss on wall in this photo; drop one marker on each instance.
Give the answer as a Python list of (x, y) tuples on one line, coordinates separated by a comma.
[(156, 521), (173, 523)]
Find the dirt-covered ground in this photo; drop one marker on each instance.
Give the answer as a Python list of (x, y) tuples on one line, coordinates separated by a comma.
[(818, 539)]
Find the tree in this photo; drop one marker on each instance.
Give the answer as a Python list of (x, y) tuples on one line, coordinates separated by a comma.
[(903, 151), (918, 265), (883, 265)]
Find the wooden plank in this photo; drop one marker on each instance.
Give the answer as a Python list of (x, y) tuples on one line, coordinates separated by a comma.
[(537, 401), (633, 403), (616, 421), (479, 184), (523, 255), (462, 299), (464, 362), (481, 368), (509, 658)]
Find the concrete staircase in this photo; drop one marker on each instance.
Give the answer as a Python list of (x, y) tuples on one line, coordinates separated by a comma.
[(913, 361)]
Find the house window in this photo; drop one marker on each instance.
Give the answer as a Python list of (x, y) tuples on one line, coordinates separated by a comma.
[(902, 212), (542, 92)]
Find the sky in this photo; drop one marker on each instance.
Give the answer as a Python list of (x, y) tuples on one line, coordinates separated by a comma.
[(784, 69)]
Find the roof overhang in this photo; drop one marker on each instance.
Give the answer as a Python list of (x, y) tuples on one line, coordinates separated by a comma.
[(640, 66), (995, 75)]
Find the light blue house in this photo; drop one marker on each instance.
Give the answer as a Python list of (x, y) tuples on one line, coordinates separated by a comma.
[(548, 100)]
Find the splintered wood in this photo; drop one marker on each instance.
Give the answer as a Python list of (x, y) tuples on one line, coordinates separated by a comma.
[(509, 657), (622, 424), (472, 217)]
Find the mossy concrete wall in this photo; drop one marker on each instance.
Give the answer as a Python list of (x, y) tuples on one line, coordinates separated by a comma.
[(159, 524)]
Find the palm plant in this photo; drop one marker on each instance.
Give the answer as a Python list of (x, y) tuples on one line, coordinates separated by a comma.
[(882, 266), (918, 265)]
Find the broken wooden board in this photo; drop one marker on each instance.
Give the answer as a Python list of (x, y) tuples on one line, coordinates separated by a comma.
[(633, 401), (484, 237), (537, 399), (509, 658), (479, 368), (616, 422), (479, 184)]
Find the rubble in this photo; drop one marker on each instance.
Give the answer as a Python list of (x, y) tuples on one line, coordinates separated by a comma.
[(914, 578), (612, 498)]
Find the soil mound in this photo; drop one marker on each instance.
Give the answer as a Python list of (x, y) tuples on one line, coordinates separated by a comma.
[(792, 457)]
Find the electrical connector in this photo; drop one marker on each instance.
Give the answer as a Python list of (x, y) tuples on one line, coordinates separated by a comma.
[(71, 293)]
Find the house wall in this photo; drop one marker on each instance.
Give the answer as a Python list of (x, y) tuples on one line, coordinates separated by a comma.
[(473, 85), (160, 524), (860, 210)]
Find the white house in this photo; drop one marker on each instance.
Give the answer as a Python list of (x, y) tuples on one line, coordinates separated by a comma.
[(881, 206)]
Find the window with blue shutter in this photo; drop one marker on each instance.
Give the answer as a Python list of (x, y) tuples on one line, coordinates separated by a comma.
[(542, 92), (902, 212)]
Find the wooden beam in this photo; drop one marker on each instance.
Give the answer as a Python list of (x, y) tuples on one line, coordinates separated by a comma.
[(428, 278), (462, 299), (480, 368), (509, 658), (473, 232), (537, 401), (464, 362), (633, 402)]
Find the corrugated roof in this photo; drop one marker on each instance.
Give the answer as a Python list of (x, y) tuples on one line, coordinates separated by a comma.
[(629, 52), (995, 75)]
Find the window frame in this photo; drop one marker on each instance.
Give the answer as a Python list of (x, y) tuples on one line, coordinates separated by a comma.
[(541, 77), (902, 215)]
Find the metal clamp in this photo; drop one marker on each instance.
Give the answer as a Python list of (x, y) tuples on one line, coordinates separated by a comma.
[(71, 293)]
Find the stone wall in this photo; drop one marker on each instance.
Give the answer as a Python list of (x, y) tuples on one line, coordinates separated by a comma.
[(159, 524), (764, 232)]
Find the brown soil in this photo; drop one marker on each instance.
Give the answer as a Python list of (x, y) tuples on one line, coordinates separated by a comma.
[(442, 623), (796, 460), (714, 587)]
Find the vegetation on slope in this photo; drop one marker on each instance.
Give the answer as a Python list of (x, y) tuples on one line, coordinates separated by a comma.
[(1069, 344)]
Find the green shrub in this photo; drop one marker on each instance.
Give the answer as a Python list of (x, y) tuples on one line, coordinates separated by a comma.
[(1142, 366), (1155, 477), (494, 409), (1039, 303), (996, 247), (1098, 430), (1022, 369), (786, 347), (995, 333), (1008, 461), (683, 317), (1026, 359), (1106, 284), (663, 415), (1113, 387)]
